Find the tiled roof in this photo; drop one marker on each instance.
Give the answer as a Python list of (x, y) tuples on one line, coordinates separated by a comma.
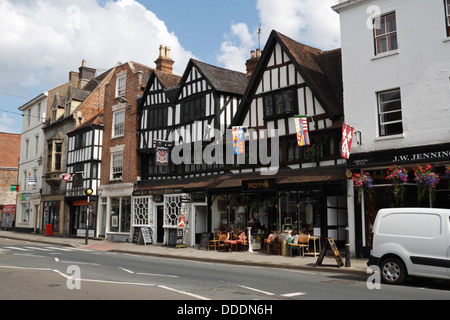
[(96, 120), (221, 79)]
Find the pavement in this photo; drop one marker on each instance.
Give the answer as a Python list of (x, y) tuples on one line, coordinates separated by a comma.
[(256, 258)]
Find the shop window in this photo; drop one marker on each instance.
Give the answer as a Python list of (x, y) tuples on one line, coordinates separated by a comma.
[(51, 215), (337, 217), (142, 213), (390, 113), (309, 212), (80, 217), (385, 33), (120, 214), (172, 210), (26, 212)]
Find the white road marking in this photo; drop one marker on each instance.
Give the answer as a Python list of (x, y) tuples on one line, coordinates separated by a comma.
[(293, 294), (126, 270), (183, 292), (17, 248), (157, 275), (38, 248), (56, 248), (257, 290)]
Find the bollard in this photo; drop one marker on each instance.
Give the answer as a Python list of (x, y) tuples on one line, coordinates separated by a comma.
[(347, 248)]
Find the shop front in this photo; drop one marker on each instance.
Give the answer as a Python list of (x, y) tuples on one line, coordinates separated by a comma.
[(175, 217), (83, 213), (115, 212), (410, 177), (311, 201)]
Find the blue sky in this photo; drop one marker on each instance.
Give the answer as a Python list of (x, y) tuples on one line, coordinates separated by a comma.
[(41, 41)]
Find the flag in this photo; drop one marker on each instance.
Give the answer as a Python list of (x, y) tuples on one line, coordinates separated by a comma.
[(238, 140), (301, 126), (347, 139), (14, 188)]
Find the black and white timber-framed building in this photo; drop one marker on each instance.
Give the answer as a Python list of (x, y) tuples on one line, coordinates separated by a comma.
[(306, 192)]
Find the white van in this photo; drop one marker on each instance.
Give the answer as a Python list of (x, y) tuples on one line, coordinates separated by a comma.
[(411, 241)]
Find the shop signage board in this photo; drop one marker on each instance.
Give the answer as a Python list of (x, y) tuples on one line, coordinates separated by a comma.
[(204, 240), (146, 236), (259, 185), (332, 245), (142, 233), (440, 152)]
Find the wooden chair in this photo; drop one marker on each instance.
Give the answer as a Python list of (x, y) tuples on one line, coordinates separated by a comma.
[(223, 236), (215, 240), (303, 242), (232, 241)]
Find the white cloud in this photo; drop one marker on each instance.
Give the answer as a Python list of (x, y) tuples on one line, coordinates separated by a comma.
[(41, 41), (311, 22)]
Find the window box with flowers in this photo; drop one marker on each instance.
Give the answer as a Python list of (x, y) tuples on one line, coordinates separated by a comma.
[(426, 180), (397, 176), (363, 182)]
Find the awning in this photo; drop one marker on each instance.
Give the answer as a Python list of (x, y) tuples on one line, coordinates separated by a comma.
[(284, 178)]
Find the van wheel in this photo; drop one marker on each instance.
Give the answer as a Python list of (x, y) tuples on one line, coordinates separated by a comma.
[(393, 271)]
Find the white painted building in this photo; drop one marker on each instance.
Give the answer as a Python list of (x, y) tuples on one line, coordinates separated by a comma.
[(396, 75), (30, 164)]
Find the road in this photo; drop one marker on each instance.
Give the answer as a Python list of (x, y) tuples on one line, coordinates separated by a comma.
[(46, 272)]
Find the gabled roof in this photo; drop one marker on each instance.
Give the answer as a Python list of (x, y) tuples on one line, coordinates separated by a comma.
[(220, 79), (96, 120), (168, 81), (321, 70)]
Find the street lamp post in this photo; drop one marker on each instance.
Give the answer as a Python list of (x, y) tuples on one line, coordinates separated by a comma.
[(89, 192)]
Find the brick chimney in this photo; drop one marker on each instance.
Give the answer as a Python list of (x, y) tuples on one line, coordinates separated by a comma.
[(164, 63), (86, 74), (253, 61)]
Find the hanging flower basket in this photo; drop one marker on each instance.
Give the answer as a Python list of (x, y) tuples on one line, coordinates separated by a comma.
[(447, 174), (397, 176), (426, 180), (362, 181)]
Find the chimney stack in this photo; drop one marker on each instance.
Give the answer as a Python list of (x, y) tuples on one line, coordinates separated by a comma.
[(164, 63), (253, 61), (86, 74)]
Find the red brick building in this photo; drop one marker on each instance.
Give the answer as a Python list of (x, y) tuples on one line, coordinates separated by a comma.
[(9, 167), (120, 164)]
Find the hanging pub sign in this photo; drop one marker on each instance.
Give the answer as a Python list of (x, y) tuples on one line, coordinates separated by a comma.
[(347, 139), (238, 140), (301, 126), (162, 156)]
